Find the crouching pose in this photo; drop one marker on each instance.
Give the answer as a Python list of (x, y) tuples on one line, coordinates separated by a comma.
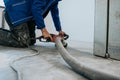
[(22, 16)]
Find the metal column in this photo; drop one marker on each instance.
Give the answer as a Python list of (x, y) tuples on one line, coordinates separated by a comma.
[(100, 31), (114, 29), (107, 29)]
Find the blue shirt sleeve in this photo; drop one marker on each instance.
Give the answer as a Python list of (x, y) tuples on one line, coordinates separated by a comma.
[(37, 13), (55, 17)]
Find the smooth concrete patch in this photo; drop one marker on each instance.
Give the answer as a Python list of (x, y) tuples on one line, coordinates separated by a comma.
[(26, 65)]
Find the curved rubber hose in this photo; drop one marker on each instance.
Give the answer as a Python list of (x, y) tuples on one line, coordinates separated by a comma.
[(80, 68), (11, 64)]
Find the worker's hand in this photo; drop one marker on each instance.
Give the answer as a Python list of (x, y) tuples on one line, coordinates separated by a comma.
[(61, 33), (46, 34)]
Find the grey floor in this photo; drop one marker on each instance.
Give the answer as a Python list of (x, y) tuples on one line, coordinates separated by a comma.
[(25, 64)]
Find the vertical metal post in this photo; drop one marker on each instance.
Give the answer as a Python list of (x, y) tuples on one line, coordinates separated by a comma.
[(114, 29), (100, 30), (107, 34)]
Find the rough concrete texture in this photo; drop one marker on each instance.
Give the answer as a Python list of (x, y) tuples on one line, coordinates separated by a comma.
[(25, 64)]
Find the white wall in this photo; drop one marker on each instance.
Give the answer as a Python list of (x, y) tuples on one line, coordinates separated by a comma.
[(77, 19)]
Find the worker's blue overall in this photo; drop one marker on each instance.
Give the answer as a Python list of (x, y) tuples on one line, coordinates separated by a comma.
[(22, 16)]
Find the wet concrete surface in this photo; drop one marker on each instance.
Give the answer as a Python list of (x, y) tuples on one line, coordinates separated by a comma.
[(49, 65), (26, 65)]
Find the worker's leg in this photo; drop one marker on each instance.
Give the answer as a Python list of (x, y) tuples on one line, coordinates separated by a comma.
[(31, 26), (18, 36), (7, 39)]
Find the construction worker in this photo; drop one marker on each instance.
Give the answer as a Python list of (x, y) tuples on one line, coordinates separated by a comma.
[(22, 16)]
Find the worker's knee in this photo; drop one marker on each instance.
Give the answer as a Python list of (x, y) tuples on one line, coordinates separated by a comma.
[(22, 34)]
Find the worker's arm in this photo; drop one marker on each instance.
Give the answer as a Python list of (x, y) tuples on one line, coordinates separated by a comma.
[(55, 17), (37, 14)]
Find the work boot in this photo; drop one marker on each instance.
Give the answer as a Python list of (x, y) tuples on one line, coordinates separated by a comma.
[(8, 39)]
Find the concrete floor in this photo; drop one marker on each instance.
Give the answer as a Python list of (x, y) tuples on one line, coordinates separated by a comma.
[(25, 64), (48, 65)]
